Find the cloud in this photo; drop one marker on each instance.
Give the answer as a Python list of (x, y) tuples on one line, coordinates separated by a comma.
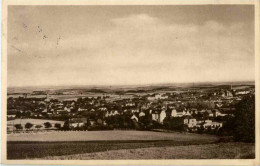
[(145, 49), (136, 21)]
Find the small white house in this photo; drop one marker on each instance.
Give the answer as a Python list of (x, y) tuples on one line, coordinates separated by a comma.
[(174, 113), (190, 122), (76, 124), (134, 118), (155, 116), (141, 114), (162, 116)]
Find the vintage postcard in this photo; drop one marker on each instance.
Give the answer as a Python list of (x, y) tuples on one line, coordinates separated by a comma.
[(130, 82)]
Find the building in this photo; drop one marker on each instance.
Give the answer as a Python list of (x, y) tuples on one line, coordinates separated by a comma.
[(190, 122), (155, 116), (134, 118), (77, 122), (141, 114), (162, 116)]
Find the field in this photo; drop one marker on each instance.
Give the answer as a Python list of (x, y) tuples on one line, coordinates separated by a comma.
[(80, 145), (29, 146), (33, 121), (11, 123), (209, 151), (114, 135)]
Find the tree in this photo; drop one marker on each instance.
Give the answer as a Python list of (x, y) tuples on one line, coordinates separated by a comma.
[(28, 126), (27, 114), (18, 127), (57, 125), (18, 114), (228, 126), (47, 125), (245, 120), (38, 126), (176, 123), (66, 125), (201, 129)]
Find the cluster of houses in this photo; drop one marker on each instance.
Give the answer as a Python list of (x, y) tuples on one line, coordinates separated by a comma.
[(157, 107), (188, 115)]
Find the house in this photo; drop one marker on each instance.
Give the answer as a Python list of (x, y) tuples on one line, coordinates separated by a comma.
[(227, 94), (155, 116), (82, 109), (115, 113), (219, 105), (162, 116), (100, 121), (150, 111), (186, 112), (11, 116), (157, 96), (152, 97), (67, 109), (141, 114), (44, 111), (194, 111), (161, 96), (209, 123), (59, 111), (134, 118), (103, 109), (210, 113), (134, 110), (190, 122), (174, 113), (130, 104), (108, 113), (92, 122), (242, 92), (77, 122), (216, 124), (179, 113), (217, 113)]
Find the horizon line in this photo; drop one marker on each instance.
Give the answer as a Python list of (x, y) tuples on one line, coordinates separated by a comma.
[(115, 85)]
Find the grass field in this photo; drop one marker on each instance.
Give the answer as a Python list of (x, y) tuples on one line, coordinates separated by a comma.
[(32, 121), (11, 123), (208, 151), (122, 145), (30, 150), (122, 135), (25, 146)]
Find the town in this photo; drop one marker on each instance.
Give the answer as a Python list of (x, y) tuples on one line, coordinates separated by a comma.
[(190, 109)]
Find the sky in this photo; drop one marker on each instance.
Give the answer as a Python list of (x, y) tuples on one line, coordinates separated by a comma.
[(129, 45)]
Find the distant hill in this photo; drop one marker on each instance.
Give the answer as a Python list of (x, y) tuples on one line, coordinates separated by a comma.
[(126, 88)]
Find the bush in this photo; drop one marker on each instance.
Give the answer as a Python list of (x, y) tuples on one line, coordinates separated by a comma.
[(47, 125), (57, 125), (18, 127), (28, 126), (99, 127), (38, 126), (66, 126), (228, 127), (245, 120)]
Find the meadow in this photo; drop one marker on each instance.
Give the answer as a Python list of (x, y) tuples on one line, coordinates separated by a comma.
[(231, 150), (32, 121), (11, 124), (30, 146), (114, 135)]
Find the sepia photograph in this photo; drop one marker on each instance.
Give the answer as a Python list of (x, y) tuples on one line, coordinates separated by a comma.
[(130, 82)]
